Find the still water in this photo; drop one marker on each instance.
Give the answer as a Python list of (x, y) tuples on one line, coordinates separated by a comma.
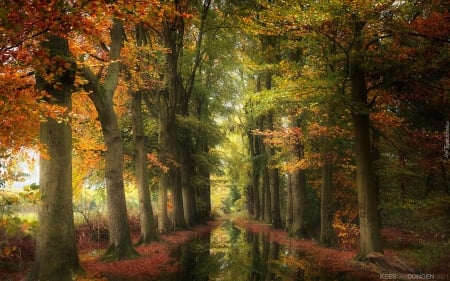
[(230, 253)]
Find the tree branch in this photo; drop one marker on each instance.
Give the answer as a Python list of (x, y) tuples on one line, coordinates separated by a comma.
[(117, 35)]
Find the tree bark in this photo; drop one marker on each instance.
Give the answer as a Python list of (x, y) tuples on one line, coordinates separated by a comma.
[(148, 226), (101, 94), (173, 33), (187, 174), (267, 202), (56, 252), (298, 204), (255, 152), (326, 214), (289, 207), (203, 192), (163, 157), (370, 237), (274, 179)]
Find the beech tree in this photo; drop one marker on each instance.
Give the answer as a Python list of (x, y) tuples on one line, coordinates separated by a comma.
[(43, 52), (148, 224), (56, 238), (101, 94)]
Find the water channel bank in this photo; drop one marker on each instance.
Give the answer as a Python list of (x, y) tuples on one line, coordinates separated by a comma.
[(234, 250)]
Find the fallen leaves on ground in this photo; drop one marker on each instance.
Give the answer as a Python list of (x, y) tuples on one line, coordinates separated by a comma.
[(155, 258)]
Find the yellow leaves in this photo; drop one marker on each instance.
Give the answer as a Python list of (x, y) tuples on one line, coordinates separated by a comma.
[(8, 198)]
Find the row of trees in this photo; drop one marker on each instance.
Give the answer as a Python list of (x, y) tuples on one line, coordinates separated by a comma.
[(323, 92), (90, 66), (344, 90)]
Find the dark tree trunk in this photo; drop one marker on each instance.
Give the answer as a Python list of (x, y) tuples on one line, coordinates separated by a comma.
[(289, 210), (187, 174), (298, 183), (326, 214), (149, 232), (173, 33), (298, 204), (163, 157), (255, 152), (275, 197), (267, 206), (187, 168), (204, 192), (370, 237), (56, 252), (178, 218), (274, 178)]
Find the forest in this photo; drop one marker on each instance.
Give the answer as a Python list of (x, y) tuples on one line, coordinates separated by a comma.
[(322, 123)]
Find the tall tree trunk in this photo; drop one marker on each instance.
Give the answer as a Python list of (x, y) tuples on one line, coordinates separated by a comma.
[(370, 237), (149, 230), (120, 245), (326, 214), (148, 226), (178, 218), (56, 252), (289, 210), (203, 192), (298, 204), (163, 157), (255, 174), (298, 181), (267, 201), (187, 166), (187, 174), (119, 234), (173, 33), (274, 178)]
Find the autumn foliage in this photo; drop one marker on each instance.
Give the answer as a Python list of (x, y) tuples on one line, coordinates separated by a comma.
[(275, 76)]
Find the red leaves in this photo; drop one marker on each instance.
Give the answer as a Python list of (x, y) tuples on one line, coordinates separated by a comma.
[(155, 259), (435, 25)]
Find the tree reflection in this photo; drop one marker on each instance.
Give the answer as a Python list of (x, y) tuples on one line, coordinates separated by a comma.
[(233, 254)]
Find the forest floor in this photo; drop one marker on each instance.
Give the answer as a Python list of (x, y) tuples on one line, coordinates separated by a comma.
[(156, 259)]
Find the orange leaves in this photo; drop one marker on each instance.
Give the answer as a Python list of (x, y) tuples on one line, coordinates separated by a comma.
[(19, 110), (347, 234), (153, 161), (282, 136), (8, 251)]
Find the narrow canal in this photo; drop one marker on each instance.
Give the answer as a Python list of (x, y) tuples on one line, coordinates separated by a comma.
[(231, 253)]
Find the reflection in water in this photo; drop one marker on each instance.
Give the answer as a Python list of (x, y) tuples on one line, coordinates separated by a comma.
[(232, 254)]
